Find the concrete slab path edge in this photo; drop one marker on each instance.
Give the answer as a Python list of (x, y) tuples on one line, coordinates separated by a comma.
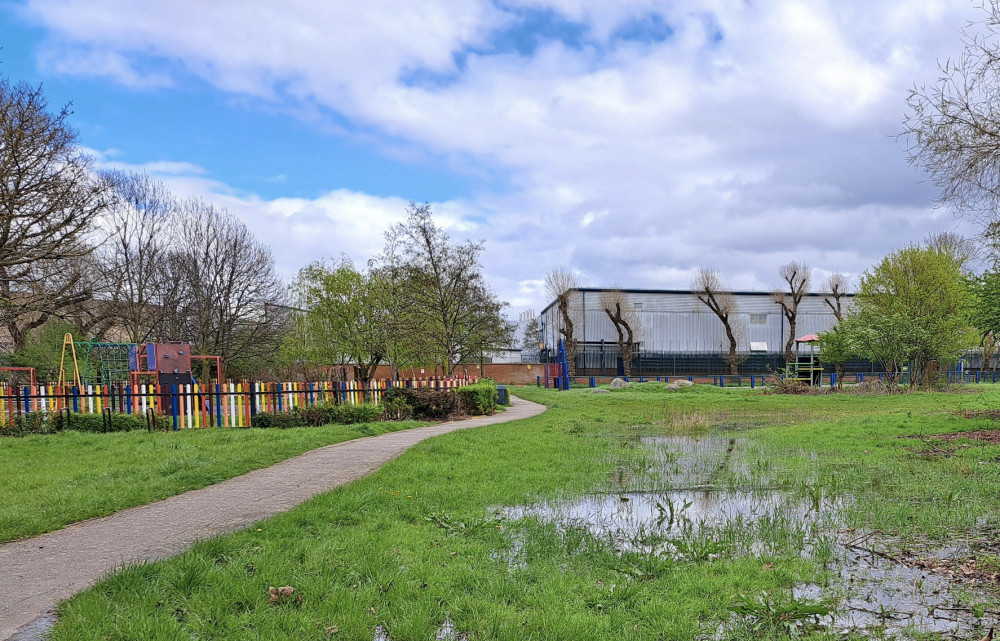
[(37, 573)]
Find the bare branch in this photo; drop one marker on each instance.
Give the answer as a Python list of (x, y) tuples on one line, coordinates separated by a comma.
[(714, 294), (626, 320), (798, 279), (560, 283)]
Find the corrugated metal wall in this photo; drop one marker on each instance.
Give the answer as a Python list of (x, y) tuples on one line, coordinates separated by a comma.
[(679, 322)]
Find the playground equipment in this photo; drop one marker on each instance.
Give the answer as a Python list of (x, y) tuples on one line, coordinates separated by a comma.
[(564, 364), (806, 367), (107, 363), (30, 370), (68, 342)]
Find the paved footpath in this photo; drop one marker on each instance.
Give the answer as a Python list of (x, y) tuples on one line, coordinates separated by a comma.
[(37, 573)]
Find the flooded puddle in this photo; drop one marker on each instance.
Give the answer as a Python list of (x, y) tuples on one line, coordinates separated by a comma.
[(446, 632), (683, 501)]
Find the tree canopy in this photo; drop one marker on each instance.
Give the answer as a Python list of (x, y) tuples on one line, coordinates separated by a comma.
[(911, 308)]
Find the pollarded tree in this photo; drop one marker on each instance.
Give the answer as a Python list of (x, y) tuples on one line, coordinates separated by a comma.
[(797, 277), (714, 294), (49, 202), (911, 308), (560, 284), (836, 287), (627, 323), (834, 344)]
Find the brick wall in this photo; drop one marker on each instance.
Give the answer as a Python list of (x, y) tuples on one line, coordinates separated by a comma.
[(503, 373)]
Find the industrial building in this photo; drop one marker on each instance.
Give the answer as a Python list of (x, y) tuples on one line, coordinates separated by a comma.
[(679, 334)]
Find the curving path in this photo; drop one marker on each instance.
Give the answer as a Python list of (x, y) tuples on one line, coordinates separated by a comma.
[(37, 573)]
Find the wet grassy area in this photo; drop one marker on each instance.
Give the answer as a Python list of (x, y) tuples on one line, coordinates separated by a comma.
[(641, 514), (49, 481)]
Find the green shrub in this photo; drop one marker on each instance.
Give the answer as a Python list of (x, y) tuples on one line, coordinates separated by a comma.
[(435, 405), (281, 420), (34, 423), (362, 413), (396, 408), (42, 423), (479, 399), (119, 422), (318, 415)]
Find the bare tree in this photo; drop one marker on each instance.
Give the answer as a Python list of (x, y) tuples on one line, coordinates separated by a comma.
[(836, 287), (953, 126), (225, 282), (797, 277), (134, 259), (560, 283), (964, 251), (49, 200), (626, 320), (714, 294)]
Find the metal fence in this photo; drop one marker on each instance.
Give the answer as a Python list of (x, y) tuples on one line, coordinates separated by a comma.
[(232, 404), (607, 361)]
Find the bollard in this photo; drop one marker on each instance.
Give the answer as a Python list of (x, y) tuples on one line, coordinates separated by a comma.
[(751, 381), (593, 382)]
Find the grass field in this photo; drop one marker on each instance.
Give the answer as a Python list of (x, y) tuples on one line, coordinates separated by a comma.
[(706, 513), (49, 481)]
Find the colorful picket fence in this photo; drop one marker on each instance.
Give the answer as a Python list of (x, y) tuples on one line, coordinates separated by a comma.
[(231, 404)]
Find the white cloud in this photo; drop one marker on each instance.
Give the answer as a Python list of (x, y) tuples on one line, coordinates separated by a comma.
[(756, 133)]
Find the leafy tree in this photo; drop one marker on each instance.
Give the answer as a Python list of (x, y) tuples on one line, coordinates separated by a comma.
[(42, 349), (452, 314), (984, 312), (345, 318), (836, 349), (532, 335), (911, 307)]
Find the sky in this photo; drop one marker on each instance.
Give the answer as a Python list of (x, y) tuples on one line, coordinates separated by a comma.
[(632, 141)]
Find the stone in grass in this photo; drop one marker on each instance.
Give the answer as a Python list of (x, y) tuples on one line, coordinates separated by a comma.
[(617, 384), (676, 385), (599, 391)]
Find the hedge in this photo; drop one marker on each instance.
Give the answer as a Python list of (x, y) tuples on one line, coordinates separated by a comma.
[(320, 414), (479, 399), (42, 423), (424, 403)]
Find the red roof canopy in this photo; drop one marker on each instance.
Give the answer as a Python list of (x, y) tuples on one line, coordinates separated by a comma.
[(808, 338)]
